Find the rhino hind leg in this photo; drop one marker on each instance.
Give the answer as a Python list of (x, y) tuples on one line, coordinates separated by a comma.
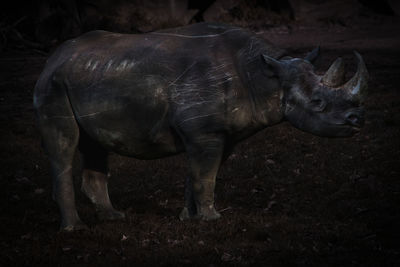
[(95, 180), (60, 135), (205, 158), (94, 185)]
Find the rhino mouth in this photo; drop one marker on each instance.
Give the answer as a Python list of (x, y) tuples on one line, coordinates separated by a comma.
[(339, 130), (348, 130), (352, 122), (355, 130)]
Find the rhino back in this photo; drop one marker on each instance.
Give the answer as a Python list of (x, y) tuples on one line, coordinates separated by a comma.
[(132, 92)]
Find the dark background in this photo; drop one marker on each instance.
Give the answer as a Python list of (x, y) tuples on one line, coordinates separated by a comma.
[(287, 198)]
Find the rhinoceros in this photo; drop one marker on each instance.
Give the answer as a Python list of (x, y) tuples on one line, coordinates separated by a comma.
[(198, 89)]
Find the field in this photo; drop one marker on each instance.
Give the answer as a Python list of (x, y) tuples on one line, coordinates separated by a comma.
[(287, 197)]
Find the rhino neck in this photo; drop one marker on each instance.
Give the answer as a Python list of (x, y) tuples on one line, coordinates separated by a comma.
[(267, 103), (265, 93)]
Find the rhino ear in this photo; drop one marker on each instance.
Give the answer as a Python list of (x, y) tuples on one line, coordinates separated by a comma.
[(275, 66), (313, 55)]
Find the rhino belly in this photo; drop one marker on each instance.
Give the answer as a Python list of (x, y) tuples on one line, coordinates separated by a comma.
[(131, 130)]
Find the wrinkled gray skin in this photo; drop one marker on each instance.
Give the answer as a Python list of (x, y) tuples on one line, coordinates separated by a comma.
[(198, 89)]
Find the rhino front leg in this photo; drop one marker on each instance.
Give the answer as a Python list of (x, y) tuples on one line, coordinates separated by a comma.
[(95, 180), (205, 159), (190, 209)]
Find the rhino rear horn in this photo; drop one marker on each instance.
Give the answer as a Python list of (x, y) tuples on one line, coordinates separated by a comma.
[(313, 55), (357, 86), (334, 77)]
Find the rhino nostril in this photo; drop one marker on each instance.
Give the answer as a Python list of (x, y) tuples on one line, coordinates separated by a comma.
[(354, 119)]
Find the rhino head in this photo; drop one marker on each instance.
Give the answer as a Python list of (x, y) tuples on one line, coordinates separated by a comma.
[(323, 105)]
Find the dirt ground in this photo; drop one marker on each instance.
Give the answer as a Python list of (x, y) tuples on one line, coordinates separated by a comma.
[(287, 198)]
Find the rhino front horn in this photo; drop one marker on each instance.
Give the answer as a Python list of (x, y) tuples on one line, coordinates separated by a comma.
[(358, 85), (334, 77)]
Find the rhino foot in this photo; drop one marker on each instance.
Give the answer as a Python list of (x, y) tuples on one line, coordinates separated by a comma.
[(185, 214), (211, 217), (110, 215), (77, 226), (209, 213), (205, 214)]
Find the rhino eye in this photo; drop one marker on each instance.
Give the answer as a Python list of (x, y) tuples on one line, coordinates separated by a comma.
[(318, 104)]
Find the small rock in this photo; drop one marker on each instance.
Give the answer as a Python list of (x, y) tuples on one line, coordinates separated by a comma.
[(226, 257), (24, 180), (145, 242), (173, 242), (124, 237), (270, 162), (39, 191), (26, 237), (163, 203), (185, 261), (270, 204), (66, 249)]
